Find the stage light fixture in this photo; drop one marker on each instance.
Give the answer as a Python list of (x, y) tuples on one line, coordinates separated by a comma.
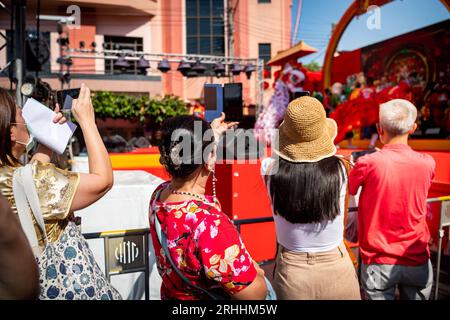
[(199, 68), (219, 69), (236, 69), (185, 68), (143, 65), (164, 66), (67, 77), (63, 41), (249, 68), (66, 61), (122, 63), (59, 27), (82, 44)]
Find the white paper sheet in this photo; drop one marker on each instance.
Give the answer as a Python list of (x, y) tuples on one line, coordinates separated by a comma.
[(39, 119)]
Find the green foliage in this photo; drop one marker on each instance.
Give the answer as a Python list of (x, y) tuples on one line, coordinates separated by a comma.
[(313, 66), (144, 109)]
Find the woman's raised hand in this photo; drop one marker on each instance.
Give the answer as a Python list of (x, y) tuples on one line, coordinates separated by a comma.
[(219, 125), (82, 108)]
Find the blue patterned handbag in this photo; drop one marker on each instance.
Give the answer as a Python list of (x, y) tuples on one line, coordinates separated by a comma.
[(67, 268), (69, 271)]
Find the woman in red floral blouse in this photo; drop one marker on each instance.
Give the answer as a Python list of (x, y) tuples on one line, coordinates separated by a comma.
[(202, 241)]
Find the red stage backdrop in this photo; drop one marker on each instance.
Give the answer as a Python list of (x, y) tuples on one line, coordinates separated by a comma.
[(418, 57), (412, 66)]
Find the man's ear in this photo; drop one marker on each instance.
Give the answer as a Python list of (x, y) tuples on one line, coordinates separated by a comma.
[(379, 129), (414, 127)]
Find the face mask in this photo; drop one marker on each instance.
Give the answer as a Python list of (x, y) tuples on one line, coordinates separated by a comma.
[(31, 140)]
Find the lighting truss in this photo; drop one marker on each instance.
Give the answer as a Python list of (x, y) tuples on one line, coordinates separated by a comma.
[(131, 55)]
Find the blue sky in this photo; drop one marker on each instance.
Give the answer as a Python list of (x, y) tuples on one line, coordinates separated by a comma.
[(397, 17)]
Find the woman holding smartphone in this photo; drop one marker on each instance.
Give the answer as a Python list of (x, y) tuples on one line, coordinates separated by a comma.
[(66, 264)]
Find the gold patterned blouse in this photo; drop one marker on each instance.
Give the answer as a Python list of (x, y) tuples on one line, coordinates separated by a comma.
[(56, 189)]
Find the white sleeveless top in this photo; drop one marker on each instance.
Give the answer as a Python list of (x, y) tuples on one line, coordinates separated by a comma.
[(309, 237)]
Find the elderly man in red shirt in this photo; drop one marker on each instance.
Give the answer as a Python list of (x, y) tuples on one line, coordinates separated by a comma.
[(393, 233)]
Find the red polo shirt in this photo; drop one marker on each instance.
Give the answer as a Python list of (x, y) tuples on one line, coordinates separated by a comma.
[(392, 205)]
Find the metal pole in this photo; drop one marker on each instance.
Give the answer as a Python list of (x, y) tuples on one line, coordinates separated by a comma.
[(38, 31), (11, 44), (106, 247), (147, 266), (259, 86), (18, 68), (230, 24), (438, 267), (19, 46)]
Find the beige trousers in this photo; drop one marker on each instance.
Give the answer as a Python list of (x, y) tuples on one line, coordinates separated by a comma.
[(315, 276)]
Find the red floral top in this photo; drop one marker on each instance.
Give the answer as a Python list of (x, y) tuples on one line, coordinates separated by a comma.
[(205, 246)]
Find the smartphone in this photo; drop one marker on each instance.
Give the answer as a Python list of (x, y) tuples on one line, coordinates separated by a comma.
[(298, 94), (357, 154), (65, 97)]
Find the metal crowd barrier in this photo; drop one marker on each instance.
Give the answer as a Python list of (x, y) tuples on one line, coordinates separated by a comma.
[(444, 221), (126, 251)]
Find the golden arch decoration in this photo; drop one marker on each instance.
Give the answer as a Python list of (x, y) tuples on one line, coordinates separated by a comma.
[(357, 8)]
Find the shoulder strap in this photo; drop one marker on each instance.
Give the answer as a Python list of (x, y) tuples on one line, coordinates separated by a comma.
[(23, 209), (32, 195), (163, 241), (26, 197)]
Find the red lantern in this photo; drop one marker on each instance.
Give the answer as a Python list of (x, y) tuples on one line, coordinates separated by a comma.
[(266, 85), (267, 74), (276, 74)]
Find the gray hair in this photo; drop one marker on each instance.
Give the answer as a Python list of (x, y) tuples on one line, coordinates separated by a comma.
[(397, 117)]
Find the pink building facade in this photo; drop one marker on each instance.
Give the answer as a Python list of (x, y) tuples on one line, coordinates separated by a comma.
[(244, 29)]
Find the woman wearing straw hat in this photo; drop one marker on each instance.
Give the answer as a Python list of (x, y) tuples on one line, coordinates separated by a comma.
[(307, 185)]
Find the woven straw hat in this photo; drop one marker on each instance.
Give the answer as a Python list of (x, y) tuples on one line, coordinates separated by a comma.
[(306, 134)]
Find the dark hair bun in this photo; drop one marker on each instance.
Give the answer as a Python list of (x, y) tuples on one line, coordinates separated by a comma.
[(178, 131)]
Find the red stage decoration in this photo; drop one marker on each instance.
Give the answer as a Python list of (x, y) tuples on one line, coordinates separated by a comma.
[(402, 67), (357, 8), (363, 111), (345, 64)]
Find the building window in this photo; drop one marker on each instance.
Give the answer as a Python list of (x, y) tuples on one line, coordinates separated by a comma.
[(264, 52), (122, 43), (205, 28), (264, 1)]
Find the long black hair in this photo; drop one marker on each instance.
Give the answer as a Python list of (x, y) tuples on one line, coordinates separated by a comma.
[(307, 192), (176, 130)]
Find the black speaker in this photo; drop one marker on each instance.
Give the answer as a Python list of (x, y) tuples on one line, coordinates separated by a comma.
[(37, 53), (239, 144), (232, 101)]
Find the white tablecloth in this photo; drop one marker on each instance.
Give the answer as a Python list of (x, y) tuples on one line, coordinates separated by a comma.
[(124, 207)]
